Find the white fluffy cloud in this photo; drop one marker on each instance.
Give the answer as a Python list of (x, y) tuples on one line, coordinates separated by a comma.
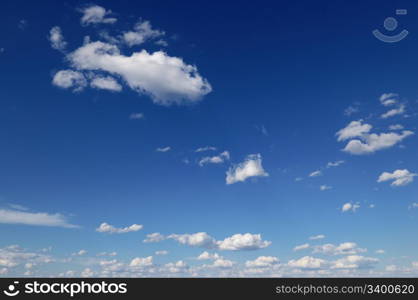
[(399, 177), (301, 247), (57, 39), (199, 239), (262, 262), (107, 228), (393, 112), (308, 262), (154, 238), (142, 32), (70, 79), (222, 263), (245, 241), (140, 262), (8, 216), (368, 142), (350, 207), (168, 80), (354, 129), (208, 256), (341, 249), (96, 14), (251, 167), (105, 83), (217, 159)]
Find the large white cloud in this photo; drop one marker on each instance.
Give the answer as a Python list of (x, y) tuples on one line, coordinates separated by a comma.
[(8, 216), (107, 228), (399, 177), (251, 167), (95, 14), (168, 80), (368, 142)]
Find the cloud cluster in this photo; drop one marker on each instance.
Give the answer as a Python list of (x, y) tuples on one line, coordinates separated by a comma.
[(367, 142), (235, 242), (398, 177), (102, 65)]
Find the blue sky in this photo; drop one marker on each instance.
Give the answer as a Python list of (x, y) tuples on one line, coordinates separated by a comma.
[(199, 139)]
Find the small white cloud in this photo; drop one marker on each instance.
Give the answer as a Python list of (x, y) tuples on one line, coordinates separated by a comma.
[(96, 14), (251, 167), (380, 251), (317, 237), (414, 205), (396, 127), (107, 228), (161, 252), (350, 207), (163, 149), (301, 247), (245, 241), (57, 39), (222, 263), (325, 187), (87, 272), (142, 32), (354, 262), (154, 238), (389, 99), (208, 256), (70, 79), (105, 83), (335, 163), (315, 173), (297, 179), (22, 24), (393, 112), (218, 159), (262, 262), (399, 177), (351, 110), (354, 129), (80, 253), (199, 239), (308, 262), (341, 249), (140, 262), (136, 116), (207, 148), (8, 216)]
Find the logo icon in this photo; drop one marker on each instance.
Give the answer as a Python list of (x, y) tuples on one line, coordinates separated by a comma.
[(11, 290), (390, 25)]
